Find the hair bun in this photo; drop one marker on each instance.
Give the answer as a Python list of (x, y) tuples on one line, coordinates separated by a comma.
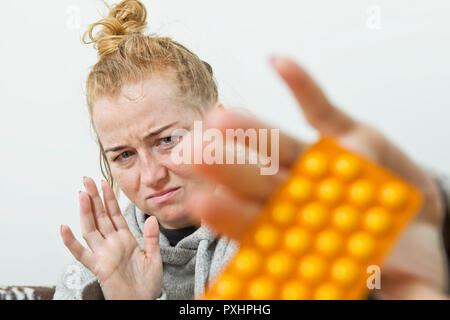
[(125, 18)]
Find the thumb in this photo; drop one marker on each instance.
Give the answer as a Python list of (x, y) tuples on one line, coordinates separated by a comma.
[(151, 236), (319, 112)]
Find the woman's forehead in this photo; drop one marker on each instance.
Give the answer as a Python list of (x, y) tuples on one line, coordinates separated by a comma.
[(152, 92), (139, 107)]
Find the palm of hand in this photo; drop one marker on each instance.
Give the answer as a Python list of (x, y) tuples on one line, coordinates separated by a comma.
[(121, 263), (122, 268)]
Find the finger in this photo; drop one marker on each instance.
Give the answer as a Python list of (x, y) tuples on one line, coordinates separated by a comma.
[(244, 180), (151, 236), (319, 112), (76, 249), (102, 219), (89, 230), (419, 246), (113, 208), (407, 288), (289, 148), (224, 212)]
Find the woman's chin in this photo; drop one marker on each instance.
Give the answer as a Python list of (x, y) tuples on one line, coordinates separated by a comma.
[(173, 216)]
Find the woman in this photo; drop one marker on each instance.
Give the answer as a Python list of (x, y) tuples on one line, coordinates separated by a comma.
[(142, 89)]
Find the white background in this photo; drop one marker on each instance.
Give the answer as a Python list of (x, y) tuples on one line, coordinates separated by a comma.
[(393, 72)]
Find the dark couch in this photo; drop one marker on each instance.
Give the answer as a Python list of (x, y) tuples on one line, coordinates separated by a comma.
[(26, 293)]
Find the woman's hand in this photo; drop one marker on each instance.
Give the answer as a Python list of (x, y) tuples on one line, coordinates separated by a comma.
[(417, 266), (122, 269)]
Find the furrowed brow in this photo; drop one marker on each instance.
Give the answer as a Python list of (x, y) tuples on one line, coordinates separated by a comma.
[(118, 148), (159, 130), (151, 134)]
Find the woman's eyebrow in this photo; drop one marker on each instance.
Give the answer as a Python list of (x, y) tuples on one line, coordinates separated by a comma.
[(151, 134), (155, 132), (118, 148)]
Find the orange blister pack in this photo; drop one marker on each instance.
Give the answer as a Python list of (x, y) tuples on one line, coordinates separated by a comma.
[(336, 215)]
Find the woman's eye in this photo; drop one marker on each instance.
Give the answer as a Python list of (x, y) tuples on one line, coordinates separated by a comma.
[(169, 141), (123, 156)]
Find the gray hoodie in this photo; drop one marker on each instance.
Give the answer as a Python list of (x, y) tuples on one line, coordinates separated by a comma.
[(187, 267)]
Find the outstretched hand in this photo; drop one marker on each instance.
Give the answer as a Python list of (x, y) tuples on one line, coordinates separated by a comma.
[(416, 268)]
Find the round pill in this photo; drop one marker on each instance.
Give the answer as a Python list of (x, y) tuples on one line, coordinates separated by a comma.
[(347, 166), (313, 215), (299, 189), (362, 192), (262, 289), (329, 242), (315, 164), (330, 190), (283, 213), (393, 195), (266, 237), (344, 270), (328, 291), (312, 268), (345, 218), (295, 290), (228, 286), (377, 220), (247, 261), (297, 240), (279, 264), (361, 245)]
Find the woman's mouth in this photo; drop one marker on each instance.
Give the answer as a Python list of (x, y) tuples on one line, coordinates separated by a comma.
[(163, 196)]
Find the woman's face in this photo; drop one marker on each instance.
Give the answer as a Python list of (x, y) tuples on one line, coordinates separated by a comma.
[(135, 131)]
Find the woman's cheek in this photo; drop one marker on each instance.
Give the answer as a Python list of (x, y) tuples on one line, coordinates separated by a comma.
[(180, 170), (128, 181), (190, 179)]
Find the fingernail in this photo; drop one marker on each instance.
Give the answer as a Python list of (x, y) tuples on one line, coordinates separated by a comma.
[(273, 59)]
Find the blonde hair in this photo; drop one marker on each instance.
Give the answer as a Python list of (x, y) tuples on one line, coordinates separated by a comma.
[(127, 55)]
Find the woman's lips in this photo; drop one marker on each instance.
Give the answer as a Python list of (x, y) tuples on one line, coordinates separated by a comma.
[(163, 196)]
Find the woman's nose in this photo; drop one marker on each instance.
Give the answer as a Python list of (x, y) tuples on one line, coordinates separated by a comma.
[(152, 172)]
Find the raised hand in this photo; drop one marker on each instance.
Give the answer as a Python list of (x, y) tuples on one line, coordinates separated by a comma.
[(122, 268), (417, 265)]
